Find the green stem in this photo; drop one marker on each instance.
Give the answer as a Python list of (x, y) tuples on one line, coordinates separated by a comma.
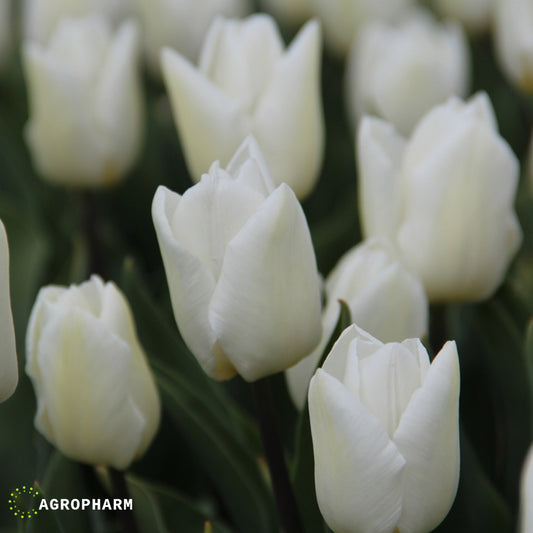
[(286, 502), (119, 489)]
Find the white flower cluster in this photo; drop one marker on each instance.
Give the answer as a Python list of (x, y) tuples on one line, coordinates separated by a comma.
[(436, 185)]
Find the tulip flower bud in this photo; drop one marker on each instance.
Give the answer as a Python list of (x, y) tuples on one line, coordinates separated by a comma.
[(384, 299), (526, 495), (8, 349), (96, 398), (400, 71), (444, 197), (513, 28), (474, 15), (181, 24), (385, 429), (241, 269), (40, 17), (289, 12), (86, 116), (342, 19), (246, 84)]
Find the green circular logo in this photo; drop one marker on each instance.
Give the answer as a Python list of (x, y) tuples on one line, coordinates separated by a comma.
[(22, 502)]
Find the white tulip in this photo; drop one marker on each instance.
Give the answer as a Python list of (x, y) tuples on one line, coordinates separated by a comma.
[(400, 71), (384, 299), (241, 269), (96, 398), (40, 17), (526, 495), (181, 24), (246, 84), (474, 15), (444, 197), (513, 40), (86, 113), (8, 351), (289, 12), (385, 431), (342, 19)]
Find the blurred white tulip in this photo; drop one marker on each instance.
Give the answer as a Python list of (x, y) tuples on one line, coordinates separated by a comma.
[(241, 269), (181, 24), (400, 71), (8, 349), (444, 197), (96, 398), (385, 428), (247, 84), (513, 41), (384, 299), (474, 15), (342, 19), (86, 111), (40, 17)]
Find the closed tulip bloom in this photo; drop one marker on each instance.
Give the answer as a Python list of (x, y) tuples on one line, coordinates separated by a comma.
[(474, 15), (86, 113), (342, 19), (526, 495), (8, 350), (241, 269), (400, 71), (246, 83), (181, 24), (385, 431), (384, 298), (444, 197), (40, 17), (96, 398), (513, 41)]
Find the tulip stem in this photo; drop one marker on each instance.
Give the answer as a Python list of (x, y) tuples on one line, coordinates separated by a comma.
[(89, 221), (119, 488), (286, 502)]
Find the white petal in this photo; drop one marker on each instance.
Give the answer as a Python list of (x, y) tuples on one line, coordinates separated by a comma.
[(117, 317), (64, 144), (191, 287), (239, 56), (358, 470), (288, 122), (387, 380), (249, 167), (379, 150), (210, 214), (8, 351), (459, 229), (85, 372), (335, 363), (266, 307), (384, 298), (119, 106), (428, 438), (211, 124), (526, 494)]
